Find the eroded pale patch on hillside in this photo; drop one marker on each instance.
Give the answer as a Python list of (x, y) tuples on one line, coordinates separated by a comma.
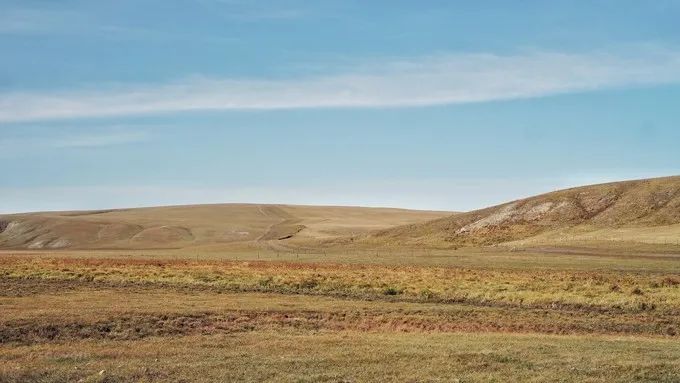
[(635, 205)]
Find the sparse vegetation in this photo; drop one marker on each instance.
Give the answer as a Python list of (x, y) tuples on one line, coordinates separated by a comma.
[(286, 296), (484, 286), (644, 211), (68, 313)]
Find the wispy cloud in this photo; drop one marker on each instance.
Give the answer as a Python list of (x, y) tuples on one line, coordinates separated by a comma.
[(443, 79), (256, 11), (78, 23), (26, 21), (100, 138)]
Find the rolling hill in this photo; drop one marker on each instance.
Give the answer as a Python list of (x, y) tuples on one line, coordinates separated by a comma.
[(639, 211), (197, 225), (642, 211)]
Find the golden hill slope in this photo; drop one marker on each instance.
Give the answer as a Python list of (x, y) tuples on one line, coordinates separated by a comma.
[(642, 210), (197, 225)]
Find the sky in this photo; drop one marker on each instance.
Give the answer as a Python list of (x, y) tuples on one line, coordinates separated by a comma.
[(443, 105)]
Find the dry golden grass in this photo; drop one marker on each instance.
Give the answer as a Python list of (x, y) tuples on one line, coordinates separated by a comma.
[(33, 313), (584, 287), (625, 291), (439, 316), (668, 236), (347, 356)]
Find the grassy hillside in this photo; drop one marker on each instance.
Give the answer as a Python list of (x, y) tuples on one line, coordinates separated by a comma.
[(199, 225), (613, 214), (639, 211)]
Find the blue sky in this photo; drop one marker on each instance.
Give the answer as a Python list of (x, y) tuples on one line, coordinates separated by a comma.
[(431, 104)]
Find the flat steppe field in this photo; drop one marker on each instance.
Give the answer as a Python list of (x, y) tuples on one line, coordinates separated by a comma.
[(461, 315)]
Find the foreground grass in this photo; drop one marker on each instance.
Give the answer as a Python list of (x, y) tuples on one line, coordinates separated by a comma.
[(587, 257), (121, 320), (80, 312), (347, 356), (592, 290)]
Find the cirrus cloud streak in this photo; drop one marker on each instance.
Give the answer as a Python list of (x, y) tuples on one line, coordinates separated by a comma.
[(433, 80)]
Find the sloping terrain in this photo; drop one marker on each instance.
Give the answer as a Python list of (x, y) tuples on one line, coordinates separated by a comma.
[(643, 210), (198, 225)]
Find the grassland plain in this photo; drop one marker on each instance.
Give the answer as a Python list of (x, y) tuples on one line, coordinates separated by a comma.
[(580, 285), (465, 315)]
